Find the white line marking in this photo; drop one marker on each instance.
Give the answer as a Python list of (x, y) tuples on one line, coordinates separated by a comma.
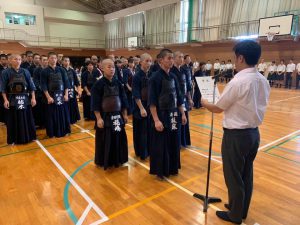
[(206, 156), (168, 180), (70, 179), (280, 139), (284, 99), (98, 222), (84, 215)]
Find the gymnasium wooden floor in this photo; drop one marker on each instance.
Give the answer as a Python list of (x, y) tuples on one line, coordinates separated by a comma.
[(54, 181)]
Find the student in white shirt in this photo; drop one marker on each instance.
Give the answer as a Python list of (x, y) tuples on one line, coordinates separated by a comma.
[(262, 67), (298, 76), (280, 73), (290, 68), (217, 67), (244, 102), (222, 71), (208, 67), (272, 73), (229, 70)]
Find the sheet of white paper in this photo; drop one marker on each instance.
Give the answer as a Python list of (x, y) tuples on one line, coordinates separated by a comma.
[(206, 87)]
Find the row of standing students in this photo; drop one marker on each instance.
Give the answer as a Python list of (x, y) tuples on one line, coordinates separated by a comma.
[(45, 98), (161, 96)]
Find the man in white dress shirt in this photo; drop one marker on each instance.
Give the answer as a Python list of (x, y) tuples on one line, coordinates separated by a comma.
[(290, 68), (298, 76), (244, 101), (208, 67)]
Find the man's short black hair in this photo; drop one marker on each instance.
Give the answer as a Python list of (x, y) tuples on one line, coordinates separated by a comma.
[(163, 53), (250, 50), (35, 54), (185, 57), (28, 53), (130, 60)]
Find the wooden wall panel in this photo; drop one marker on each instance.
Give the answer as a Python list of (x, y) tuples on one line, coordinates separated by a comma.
[(15, 47)]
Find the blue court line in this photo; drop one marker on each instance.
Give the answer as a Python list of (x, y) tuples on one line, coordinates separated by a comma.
[(66, 192)]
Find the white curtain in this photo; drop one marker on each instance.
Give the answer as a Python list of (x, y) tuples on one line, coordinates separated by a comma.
[(115, 34), (219, 19), (161, 25), (134, 27)]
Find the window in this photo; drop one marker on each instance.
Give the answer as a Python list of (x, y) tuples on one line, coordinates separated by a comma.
[(184, 19), (21, 19)]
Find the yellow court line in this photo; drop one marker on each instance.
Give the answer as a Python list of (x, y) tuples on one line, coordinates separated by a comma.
[(146, 200)]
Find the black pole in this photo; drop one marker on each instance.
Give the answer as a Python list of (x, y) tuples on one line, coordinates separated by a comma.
[(205, 198)]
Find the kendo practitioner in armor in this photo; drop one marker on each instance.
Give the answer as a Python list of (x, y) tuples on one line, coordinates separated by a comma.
[(188, 70), (55, 84), (109, 104), (41, 101), (128, 73), (165, 103), (3, 66), (73, 90), (35, 63), (185, 88), (16, 85), (88, 79), (141, 111)]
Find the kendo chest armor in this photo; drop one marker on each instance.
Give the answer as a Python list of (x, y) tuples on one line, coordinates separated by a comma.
[(111, 101), (17, 84), (70, 78), (167, 99), (90, 81), (144, 91), (55, 82)]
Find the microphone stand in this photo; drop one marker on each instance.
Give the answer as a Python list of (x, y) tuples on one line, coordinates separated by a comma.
[(205, 198)]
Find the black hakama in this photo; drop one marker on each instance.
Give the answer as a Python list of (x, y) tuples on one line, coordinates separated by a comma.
[(111, 146), (20, 125), (185, 132), (73, 110), (58, 120), (197, 93)]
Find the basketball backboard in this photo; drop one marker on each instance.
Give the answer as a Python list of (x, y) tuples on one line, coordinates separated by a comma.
[(277, 25)]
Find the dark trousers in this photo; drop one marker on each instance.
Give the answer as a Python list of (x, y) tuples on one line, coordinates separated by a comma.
[(297, 81), (288, 80), (239, 148)]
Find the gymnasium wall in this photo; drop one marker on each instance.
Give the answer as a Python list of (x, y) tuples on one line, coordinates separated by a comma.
[(210, 51)]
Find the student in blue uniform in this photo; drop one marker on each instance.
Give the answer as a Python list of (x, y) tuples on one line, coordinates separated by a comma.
[(197, 94), (55, 85), (41, 101), (185, 88), (73, 90), (3, 66), (88, 79), (141, 111), (35, 63), (109, 104), (28, 61), (165, 103), (16, 85)]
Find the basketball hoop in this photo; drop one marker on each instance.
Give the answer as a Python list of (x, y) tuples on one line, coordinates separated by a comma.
[(270, 36)]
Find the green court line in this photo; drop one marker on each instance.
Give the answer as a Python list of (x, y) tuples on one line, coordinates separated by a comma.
[(206, 150), (204, 133), (205, 126), (281, 143), (281, 157), (288, 150), (66, 192), (36, 148)]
